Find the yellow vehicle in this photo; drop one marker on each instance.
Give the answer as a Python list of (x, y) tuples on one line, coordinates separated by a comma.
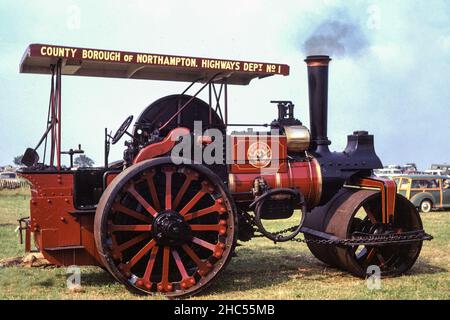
[(426, 192)]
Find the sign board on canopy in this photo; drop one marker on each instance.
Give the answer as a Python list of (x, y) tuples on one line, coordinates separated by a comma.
[(38, 58)]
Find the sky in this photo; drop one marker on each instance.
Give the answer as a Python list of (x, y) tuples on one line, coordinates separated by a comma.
[(389, 74)]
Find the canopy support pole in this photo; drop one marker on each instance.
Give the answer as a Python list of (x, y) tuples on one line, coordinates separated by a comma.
[(58, 145), (219, 94), (54, 119)]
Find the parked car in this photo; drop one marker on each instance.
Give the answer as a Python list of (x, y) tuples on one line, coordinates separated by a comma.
[(10, 180), (387, 172), (426, 192), (444, 167), (437, 172), (8, 175)]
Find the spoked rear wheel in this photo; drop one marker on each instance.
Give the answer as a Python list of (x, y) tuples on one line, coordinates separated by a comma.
[(165, 228)]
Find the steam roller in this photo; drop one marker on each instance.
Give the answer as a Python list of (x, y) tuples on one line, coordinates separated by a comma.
[(164, 221)]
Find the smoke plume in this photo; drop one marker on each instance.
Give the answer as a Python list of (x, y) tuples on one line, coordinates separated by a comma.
[(336, 38)]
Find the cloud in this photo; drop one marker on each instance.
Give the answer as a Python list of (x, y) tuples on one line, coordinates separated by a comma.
[(444, 42)]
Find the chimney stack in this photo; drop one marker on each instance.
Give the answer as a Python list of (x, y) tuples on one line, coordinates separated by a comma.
[(318, 102)]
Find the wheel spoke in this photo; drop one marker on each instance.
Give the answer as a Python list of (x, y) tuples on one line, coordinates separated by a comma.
[(122, 209), (381, 259), (369, 257), (204, 244), (203, 267), (182, 191), (205, 227), (168, 197), (165, 285), (142, 201), (192, 202), (193, 256), (356, 223), (186, 280), (180, 265), (150, 264), (370, 214), (130, 227), (152, 188), (116, 254), (206, 188), (217, 207), (138, 256), (122, 247)]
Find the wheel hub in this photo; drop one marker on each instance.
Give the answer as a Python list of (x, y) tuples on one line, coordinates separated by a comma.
[(170, 229)]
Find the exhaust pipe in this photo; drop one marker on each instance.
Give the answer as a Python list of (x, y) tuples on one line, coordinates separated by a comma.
[(318, 102)]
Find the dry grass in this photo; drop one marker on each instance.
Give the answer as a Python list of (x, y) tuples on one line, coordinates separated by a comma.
[(261, 270)]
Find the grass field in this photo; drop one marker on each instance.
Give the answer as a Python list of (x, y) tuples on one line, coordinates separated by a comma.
[(261, 270)]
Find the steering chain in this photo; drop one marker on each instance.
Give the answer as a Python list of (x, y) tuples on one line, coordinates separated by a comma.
[(359, 238)]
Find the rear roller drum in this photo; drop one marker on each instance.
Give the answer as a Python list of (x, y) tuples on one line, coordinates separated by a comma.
[(165, 228)]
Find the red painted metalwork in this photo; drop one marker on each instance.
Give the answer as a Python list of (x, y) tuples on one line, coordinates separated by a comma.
[(130, 212), (145, 280), (109, 177), (63, 235), (168, 196), (165, 285), (131, 189), (55, 115), (27, 240), (388, 190), (240, 154), (304, 176), (152, 188), (203, 267), (53, 123), (186, 281), (190, 176), (217, 207), (163, 147), (192, 202)]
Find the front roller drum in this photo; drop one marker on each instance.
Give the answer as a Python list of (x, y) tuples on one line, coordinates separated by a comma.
[(165, 228), (360, 211), (318, 220)]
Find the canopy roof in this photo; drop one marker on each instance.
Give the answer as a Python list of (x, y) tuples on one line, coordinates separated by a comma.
[(38, 58)]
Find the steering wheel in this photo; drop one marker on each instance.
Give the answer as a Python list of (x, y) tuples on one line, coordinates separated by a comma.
[(121, 131)]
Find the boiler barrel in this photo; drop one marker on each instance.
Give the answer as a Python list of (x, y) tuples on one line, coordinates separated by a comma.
[(304, 176)]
